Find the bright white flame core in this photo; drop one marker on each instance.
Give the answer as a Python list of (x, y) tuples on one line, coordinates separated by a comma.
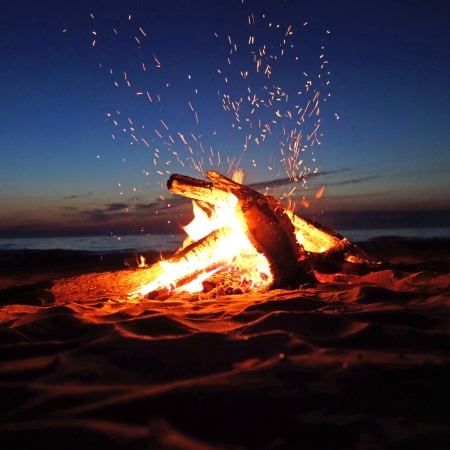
[(231, 246)]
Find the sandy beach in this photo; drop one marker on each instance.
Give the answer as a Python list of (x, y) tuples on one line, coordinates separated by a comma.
[(353, 362)]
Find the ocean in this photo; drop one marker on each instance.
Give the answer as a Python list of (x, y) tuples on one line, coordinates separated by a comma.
[(97, 243), (141, 243)]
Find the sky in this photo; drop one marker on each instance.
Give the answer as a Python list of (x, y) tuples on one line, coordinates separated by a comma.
[(339, 106)]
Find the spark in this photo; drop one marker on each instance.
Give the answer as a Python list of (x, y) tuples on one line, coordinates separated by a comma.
[(315, 107), (319, 193), (158, 64), (182, 138)]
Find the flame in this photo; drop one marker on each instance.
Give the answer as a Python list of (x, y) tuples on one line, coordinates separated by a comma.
[(238, 176), (232, 252)]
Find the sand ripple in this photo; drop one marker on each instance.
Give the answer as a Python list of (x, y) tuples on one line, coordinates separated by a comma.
[(363, 362)]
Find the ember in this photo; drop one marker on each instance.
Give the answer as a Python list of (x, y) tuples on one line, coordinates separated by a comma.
[(244, 241)]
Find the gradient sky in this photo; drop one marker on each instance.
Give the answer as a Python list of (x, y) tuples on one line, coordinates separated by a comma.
[(102, 100)]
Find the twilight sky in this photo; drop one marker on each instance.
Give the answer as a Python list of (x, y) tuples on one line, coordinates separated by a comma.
[(102, 100)]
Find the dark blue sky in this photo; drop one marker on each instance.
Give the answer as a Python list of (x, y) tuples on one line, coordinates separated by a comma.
[(90, 131)]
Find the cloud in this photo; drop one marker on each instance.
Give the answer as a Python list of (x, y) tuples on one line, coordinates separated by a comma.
[(146, 207), (105, 213), (71, 197), (384, 219), (284, 181), (162, 203), (116, 206), (353, 181), (363, 195), (95, 215)]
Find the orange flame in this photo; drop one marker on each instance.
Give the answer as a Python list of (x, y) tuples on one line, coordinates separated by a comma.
[(232, 248)]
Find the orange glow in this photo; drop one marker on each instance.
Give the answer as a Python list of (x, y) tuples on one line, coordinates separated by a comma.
[(232, 251), (319, 193)]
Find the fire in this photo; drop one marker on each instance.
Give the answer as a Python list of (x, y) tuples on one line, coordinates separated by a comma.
[(226, 249), (245, 241)]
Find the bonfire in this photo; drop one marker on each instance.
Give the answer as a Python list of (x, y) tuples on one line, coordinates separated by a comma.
[(241, 240), (359, 363)]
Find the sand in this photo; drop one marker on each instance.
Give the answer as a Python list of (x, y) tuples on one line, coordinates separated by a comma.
[(355, 362)]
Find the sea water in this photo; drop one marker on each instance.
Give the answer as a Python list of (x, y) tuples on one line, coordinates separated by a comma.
[(141, 243), (97, 243), (412, 233)]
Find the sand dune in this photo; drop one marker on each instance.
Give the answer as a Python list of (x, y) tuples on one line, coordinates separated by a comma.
[(354, 362)]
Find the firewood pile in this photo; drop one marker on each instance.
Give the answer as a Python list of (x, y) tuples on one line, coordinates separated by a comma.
[(272, 230)]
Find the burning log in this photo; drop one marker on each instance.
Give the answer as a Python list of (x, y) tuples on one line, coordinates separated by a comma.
[(264, 220), (317, 238), (255, 244), (202, 249), (163, 293)]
